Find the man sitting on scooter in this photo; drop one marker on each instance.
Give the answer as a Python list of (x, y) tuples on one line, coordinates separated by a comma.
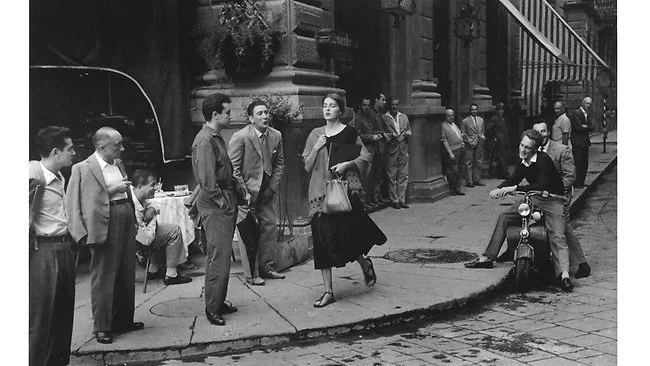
[(540, 172)]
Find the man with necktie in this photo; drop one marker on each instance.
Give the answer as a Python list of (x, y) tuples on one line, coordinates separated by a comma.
[(257, 157), (473, 131), (581, 125)]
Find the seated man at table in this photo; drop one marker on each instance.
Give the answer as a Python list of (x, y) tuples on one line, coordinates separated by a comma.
[(151, 233)]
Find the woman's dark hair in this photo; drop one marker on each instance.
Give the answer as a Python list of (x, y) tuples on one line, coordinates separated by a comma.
[(338, 99), (50, 137), (213, 103)]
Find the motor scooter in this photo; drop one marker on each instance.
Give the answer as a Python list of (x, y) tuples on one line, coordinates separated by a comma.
[(532, 254)]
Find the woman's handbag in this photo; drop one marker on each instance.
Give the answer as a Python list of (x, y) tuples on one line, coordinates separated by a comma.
[(336, 196)]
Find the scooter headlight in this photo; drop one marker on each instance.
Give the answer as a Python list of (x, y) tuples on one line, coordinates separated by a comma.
[(524, 233), (537, 215), (524, 209)]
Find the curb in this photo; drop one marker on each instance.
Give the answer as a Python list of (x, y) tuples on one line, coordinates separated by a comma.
[(252, 343)]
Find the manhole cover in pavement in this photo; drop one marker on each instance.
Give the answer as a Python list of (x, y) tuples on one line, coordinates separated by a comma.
[(180, 308), (429, 256)]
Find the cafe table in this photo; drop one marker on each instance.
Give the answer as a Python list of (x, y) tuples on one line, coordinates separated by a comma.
[(173, 211)]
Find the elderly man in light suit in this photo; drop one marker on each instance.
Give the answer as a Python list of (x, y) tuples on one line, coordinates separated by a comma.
[(100, 213), (473, 130), (257, 157)]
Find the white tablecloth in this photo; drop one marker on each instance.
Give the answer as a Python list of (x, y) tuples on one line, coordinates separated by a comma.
[(173, 211)]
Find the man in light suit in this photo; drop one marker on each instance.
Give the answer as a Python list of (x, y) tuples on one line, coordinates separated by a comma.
[(581, 125), (257, 157), (396, 125), (100, 214), (563, 160), (473, 131)]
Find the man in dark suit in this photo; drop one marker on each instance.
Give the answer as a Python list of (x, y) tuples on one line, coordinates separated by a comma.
[(473, 130), (540, 172), (581, 125), (257, 157), (370, 128), (101, 215), (51, 259)]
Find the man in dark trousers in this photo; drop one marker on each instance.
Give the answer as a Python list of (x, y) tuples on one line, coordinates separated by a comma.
[(581, 125), (371, 133), (453, 152), (496, 133), (51, 259), (257, 157), (216, 203), (540, 172), (100, 213)]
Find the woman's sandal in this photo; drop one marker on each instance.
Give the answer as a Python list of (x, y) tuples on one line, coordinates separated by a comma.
[(369, 276), (320, 304)]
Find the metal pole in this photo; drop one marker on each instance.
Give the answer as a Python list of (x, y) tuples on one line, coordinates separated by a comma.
[(604, 125)]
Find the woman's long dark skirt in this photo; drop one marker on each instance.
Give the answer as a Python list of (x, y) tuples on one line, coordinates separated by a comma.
[(341, 238)]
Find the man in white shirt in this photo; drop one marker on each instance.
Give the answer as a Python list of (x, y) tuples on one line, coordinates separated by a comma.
[(561, 131), (154, 234), (51, 259), (100, 216)]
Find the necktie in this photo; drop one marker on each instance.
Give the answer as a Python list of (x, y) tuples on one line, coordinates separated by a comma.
[(541, 149), (266, 156), (475, 124)]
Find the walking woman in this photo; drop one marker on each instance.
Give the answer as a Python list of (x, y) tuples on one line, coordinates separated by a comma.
[(339, 238)]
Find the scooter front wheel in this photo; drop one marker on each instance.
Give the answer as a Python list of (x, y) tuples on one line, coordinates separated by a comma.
[(522, 274)]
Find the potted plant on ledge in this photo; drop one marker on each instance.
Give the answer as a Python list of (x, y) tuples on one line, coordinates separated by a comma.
[(239, 39)]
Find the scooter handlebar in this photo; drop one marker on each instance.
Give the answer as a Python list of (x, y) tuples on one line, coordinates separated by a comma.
[(541, 194)]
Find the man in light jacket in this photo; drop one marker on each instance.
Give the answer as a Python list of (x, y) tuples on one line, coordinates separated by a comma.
[(257, 157), (100, 215), (473, 131)]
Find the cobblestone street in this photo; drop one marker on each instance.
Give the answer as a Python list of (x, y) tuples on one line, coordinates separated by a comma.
[(543, 327)]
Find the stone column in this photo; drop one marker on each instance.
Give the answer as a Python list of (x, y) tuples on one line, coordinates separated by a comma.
[(297, 73)]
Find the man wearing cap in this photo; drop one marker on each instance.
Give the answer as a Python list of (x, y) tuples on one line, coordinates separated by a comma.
[(101, 215)]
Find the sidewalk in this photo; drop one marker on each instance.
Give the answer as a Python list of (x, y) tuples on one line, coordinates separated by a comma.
[(282, 311)]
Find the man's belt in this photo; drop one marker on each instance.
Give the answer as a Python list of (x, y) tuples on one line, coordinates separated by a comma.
[(54, 239), (119, 202)]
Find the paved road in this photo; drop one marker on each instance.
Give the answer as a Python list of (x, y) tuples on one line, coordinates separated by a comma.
[(543, 327)]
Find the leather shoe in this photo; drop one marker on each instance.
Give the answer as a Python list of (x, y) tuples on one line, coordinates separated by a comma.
[(583, 270), (273, 274), (403, 205), (477, 264), (156, 275), (507, 256), (566, 285), (459, 193), (128, 327), (178, 280), (103, 337), (479, 184), (227, 308), (257, 281), (395, 205), (470, 185), (214, 318)]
